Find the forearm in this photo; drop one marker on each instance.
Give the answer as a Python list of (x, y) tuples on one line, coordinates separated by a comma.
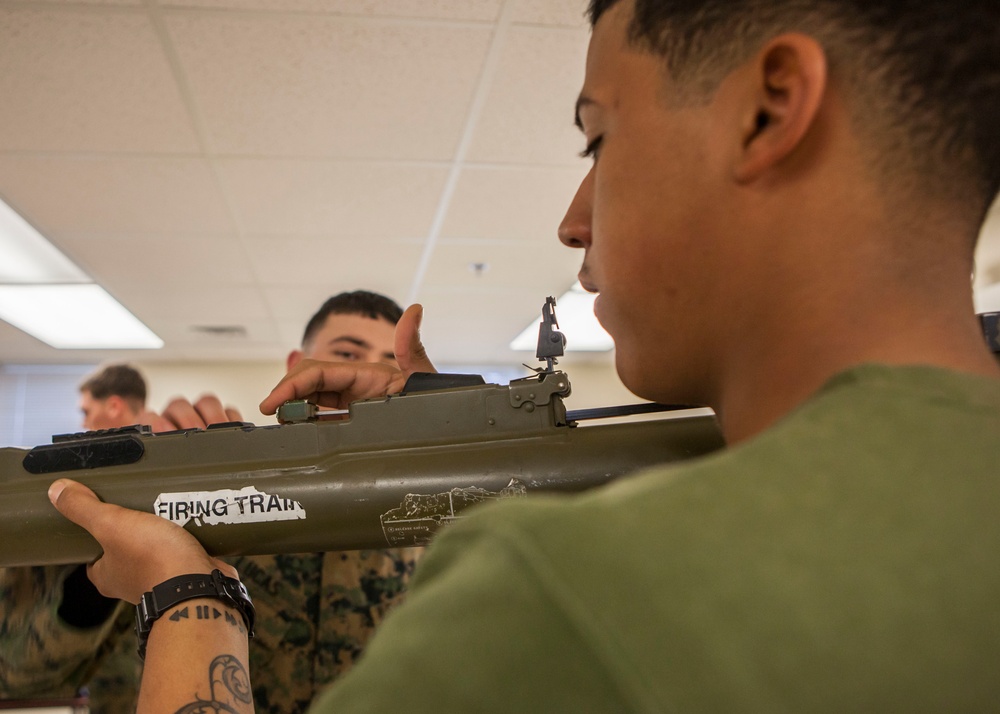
[(197, 654)]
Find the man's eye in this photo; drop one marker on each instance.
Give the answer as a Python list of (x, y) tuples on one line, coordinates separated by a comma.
[(346, 356), (592, 148)]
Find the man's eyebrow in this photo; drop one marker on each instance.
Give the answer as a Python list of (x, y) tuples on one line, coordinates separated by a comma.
[(582, 101), (353, 340)]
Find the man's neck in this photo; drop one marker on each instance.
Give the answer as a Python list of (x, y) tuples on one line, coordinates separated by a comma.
[(770, 375)]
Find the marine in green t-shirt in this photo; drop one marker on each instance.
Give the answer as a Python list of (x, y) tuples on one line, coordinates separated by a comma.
[(779, 218)]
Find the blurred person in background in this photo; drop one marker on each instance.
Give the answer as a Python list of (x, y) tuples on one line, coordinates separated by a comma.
[(58, 635)]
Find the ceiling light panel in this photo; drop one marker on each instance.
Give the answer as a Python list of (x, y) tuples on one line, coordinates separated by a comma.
[(74, 317), (26, 257)]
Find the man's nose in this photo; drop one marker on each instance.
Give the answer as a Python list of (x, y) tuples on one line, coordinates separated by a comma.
[(574, 230)]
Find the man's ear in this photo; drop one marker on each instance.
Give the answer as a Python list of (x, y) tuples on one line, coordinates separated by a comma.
[(294, 357), (789, 78), (115, 407)]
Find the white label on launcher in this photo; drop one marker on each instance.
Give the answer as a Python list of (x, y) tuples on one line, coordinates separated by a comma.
[(210, 508)]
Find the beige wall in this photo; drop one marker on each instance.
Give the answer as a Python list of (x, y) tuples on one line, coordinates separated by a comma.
[(238, 384)]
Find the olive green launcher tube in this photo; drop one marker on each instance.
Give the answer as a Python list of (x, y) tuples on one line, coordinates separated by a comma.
[(390, 475)]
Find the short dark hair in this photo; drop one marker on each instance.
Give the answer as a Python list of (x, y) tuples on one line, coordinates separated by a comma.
[(358, 302), (119, 380), (924, 75)]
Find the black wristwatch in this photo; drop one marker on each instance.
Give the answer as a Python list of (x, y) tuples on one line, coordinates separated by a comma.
[(186, 587)]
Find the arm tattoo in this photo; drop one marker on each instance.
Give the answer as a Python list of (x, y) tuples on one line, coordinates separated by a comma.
[(229, 687)]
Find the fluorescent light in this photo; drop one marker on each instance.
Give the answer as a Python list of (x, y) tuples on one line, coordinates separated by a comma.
[(28, 258), (45, 294), (74, 317), (575, 313)]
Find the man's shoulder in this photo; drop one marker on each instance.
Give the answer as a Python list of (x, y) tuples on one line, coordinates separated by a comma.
[(875, 436)]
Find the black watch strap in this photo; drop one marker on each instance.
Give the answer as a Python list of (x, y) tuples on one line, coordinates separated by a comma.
[(187, 587)]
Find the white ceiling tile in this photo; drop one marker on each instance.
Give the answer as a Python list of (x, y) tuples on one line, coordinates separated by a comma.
[(297, 303), (76, 80), (329, 262), (338, 198), (512, 203), (475, 325), (260, 342), (179, 333), (290, 334), (323, 86), (113, 194), (528, 116), (565, 13), (537, 267), (480, 10), (166, 264), (175, 313)]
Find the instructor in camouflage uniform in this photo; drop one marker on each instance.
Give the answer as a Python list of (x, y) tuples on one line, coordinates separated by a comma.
[(317, 610)]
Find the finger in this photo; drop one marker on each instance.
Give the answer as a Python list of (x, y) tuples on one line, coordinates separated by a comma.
[(155, 422), (183, 415), (410, 353), (233, 414), (210, 409), (333, 384)]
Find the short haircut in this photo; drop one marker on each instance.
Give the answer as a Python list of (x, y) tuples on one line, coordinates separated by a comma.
[(118, 380), (922, 76), (358, 302)]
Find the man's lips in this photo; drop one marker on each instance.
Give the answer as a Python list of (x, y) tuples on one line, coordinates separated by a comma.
[(586, 283)]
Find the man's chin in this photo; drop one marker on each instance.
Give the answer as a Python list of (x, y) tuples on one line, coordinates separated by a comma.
[(651, 377), (633, 376)]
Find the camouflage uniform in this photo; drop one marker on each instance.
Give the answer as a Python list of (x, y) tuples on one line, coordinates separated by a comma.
[(315, 612), (42, 656)]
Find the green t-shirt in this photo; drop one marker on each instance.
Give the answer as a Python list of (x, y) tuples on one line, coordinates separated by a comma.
[(844, 560)]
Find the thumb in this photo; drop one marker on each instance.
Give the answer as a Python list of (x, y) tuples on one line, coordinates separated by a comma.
[(77, 503), (410, 353)]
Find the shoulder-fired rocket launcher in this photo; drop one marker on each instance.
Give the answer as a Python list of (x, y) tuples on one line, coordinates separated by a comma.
[(390, 474)]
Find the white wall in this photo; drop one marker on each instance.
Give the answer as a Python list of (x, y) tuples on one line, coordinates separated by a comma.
[(239, 384)]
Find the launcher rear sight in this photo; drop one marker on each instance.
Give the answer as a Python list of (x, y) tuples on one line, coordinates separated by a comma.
[(551, 343)]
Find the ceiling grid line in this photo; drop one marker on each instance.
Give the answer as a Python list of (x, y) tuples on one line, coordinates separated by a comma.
[(483, 87), (203, 138)]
